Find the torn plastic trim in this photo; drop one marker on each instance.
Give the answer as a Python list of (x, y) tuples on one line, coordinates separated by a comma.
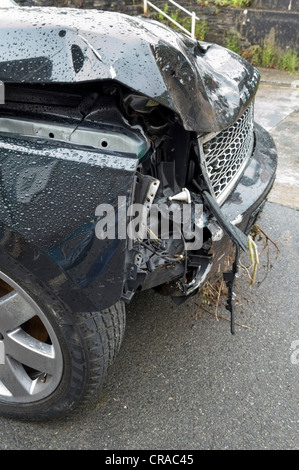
[(198, 280), (235, 234), (229, 277)]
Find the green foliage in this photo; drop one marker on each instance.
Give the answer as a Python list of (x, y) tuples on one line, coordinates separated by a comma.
[(175, 15), (271, 56), (257, 54), (289, 61), (232, 43), (231, 3), (201, 28), (165, 10)]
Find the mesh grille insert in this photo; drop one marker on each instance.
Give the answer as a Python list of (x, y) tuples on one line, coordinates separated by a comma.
[(225, 155)]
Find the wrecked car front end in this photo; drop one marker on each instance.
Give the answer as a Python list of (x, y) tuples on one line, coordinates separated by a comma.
[(111, 126)]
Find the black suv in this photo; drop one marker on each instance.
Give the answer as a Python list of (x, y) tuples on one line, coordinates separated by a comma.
[(106, 116)]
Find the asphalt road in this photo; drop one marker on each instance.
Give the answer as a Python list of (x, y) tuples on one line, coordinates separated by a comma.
[(181, 380)]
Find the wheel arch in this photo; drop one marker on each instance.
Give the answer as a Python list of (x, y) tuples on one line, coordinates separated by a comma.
[(39, 265)]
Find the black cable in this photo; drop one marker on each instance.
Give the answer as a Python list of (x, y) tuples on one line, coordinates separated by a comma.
[(229, 278), (167, 258)]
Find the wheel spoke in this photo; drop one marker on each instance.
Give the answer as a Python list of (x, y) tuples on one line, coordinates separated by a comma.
[(14, 378), (14, 311), (30, 351)]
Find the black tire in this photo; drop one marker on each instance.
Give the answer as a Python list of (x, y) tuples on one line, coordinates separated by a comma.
[(48, 373)]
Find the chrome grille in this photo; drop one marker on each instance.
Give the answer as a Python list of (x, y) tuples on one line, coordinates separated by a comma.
[(225, 155)]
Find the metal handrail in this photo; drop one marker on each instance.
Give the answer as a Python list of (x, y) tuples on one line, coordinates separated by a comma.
[(191, 33)]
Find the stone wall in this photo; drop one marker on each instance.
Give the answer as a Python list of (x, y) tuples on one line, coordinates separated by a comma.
[(273, 27), (277, 5), (274, 20)]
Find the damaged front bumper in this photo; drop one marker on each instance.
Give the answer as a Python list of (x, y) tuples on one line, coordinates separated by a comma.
[(224, 226)]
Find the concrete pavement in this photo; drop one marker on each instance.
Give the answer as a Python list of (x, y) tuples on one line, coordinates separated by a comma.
[(277, 109)]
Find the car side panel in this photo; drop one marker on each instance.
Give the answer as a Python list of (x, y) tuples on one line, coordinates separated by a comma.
[(49, 194)]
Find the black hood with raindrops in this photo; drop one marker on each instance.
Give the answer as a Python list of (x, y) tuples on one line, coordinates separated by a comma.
[(206, 85)]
